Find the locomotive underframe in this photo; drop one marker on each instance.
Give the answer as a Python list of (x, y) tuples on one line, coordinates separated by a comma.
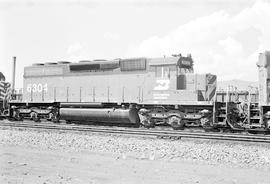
[(149, 115), (219, 115)]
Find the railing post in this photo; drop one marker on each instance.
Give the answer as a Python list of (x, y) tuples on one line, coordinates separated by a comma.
[(108, 93), (67, 93), (80, 94), (54, 94), (94, 94), (123, 94)]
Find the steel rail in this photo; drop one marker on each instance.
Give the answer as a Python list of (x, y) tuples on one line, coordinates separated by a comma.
[(142, 132)]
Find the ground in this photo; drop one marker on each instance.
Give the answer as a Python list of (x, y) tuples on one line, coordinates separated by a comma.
[(23, 164)]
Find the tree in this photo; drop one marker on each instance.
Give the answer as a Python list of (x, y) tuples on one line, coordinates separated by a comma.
[(2, 77)]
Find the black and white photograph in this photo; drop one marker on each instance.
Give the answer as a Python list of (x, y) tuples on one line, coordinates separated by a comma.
[(134, 91)]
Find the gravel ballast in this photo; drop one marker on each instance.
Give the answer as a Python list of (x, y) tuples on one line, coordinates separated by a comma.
[(235, 154)]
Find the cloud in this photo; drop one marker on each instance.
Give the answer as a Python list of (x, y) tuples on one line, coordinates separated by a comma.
[(111, 36), (220, 43), (77, 51)]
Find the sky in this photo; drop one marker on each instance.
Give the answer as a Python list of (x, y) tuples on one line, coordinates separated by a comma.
[(224, 37)]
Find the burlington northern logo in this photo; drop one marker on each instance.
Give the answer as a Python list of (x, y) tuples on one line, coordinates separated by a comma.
[(162, 84)]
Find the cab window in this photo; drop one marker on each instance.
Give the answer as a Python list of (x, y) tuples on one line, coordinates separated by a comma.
[(163, 71)]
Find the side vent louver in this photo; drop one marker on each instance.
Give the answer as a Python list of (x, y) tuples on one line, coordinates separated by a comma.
[(94, 66), (133, 64), (81, 67)]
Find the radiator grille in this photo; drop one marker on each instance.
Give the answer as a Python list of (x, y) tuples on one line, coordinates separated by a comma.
[(133, 64)]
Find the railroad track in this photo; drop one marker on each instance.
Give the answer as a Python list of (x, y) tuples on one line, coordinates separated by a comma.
[(169, 134)]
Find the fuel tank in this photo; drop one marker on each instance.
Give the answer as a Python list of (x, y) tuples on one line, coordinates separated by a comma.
[(109, 115)]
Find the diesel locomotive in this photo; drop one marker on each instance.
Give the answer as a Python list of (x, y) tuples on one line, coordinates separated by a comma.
[(140, 91), (146, 91)]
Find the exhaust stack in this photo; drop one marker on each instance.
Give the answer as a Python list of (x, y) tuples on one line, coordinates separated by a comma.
[(13, 75)]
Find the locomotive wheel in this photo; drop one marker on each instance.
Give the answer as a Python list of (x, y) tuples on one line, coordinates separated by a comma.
[(55, 118), (35, 117), (176, 122), (145, 119), (267, 126), (206, 122), (147, 122), (68, 122), (50, 118), (17, 116)]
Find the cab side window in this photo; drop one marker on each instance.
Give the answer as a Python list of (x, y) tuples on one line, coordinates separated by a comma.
[(163, 71)]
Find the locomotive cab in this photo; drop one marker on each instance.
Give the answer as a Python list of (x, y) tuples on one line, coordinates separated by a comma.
[(182, 96), (175, 81)]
